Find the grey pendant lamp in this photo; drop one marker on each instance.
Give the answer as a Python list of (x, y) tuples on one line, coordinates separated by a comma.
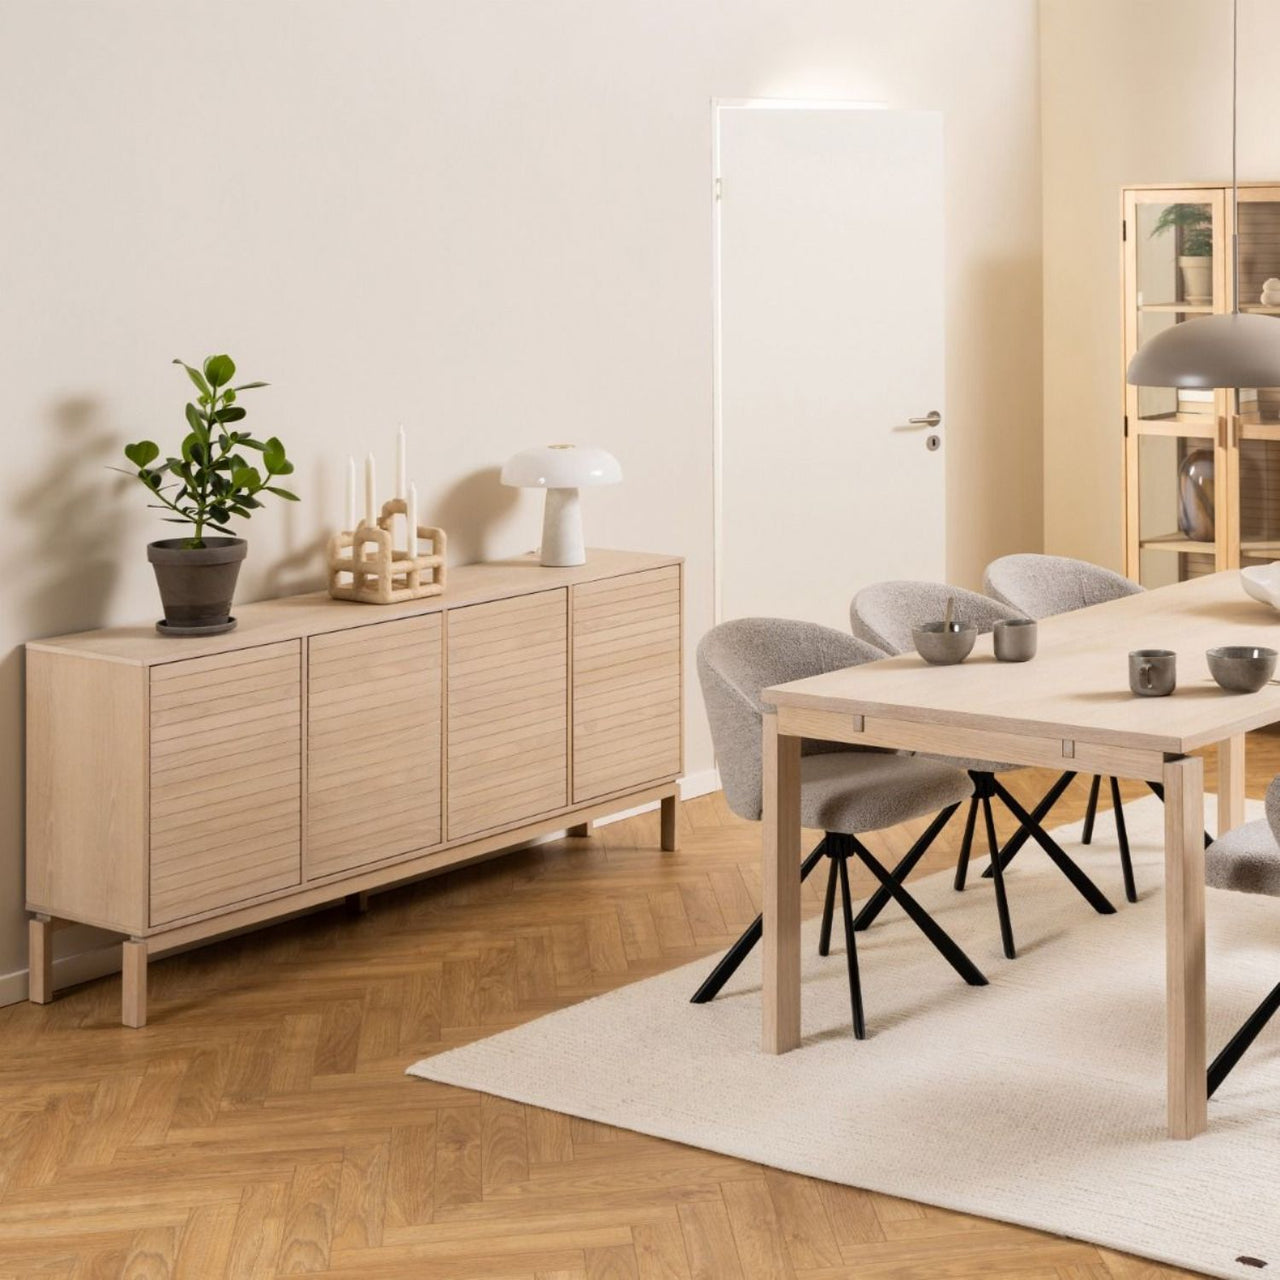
[(1231, 350)]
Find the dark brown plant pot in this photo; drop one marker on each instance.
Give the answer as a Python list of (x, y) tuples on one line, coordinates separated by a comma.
[(196, 584)]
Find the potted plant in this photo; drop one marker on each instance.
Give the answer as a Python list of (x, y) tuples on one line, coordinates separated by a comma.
[(1194, 223), (206, 485)]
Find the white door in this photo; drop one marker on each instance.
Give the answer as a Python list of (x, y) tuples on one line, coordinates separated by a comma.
[(829, 356)]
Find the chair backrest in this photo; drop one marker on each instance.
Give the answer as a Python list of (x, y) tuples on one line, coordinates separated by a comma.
[(884, 614), (738, 660), (1041, 586)]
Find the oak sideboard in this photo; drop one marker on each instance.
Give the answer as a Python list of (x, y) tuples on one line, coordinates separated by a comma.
[(182, 789)]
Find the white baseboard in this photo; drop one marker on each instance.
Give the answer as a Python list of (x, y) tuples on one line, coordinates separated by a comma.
[(84, 966)]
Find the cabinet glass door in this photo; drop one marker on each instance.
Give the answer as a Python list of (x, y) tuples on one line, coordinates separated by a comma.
[(1255, 471), (1175, 266)]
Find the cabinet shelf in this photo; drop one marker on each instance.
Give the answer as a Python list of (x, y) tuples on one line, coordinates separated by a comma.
[(1190, 308), (1178, 543)]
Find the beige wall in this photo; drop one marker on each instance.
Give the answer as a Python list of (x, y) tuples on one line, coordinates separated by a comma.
[(1132, 91), (488, 220)]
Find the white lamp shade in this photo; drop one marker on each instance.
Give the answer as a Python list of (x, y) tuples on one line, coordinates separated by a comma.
[(1232, 350), (560, 466)]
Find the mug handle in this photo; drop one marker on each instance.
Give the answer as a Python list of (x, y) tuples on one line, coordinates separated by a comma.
[(1144, 675)]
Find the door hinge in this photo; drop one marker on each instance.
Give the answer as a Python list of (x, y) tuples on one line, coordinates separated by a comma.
[(1126, 426), (1124, 228), (718, 189)]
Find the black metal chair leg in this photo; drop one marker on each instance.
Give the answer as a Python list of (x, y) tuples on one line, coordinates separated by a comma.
[(1038, 815), (875, 904), (828, 908), (921, 918), (1122, 836), (1084, 886), (1092, 811), (741, 949), (1002, 901), (966, 845), (1158, 789), (851, 951), (1242, 1039)]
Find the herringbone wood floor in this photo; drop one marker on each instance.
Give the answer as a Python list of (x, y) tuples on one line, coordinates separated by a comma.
[(262, 1124)]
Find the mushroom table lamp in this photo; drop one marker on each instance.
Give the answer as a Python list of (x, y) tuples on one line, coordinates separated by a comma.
[(561, 469)]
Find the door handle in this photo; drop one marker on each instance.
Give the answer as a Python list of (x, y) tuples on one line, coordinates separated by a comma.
[(931, 419)]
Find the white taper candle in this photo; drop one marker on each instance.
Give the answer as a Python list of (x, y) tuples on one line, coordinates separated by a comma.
[(402, 470), (370, 492), (413, 519), (349, 516)]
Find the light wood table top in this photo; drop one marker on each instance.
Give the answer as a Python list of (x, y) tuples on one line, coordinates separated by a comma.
[(1077, 686)]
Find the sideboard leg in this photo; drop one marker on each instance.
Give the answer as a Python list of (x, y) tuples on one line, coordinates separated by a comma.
[(133, 1009), (581, 829), (40, 960), (357, 903), (670, 843)]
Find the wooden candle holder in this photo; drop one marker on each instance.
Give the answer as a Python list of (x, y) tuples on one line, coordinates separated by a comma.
[(365, 565)]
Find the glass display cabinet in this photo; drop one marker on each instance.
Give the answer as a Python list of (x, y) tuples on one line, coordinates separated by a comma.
[(1202, 468)]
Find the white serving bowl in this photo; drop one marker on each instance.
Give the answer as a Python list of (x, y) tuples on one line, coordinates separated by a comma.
[(1262, 582)]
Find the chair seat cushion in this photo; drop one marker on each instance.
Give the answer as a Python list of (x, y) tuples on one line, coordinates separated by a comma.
[(1246, 859), (853, 792)]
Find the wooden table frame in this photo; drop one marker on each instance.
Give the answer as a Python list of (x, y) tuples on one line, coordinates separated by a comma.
[(855, 708)]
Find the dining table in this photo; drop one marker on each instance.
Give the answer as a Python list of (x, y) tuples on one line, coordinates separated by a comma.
[(1069, 708)]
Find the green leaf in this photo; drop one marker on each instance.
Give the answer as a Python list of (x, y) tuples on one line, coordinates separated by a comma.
[(197, 422), (273, 455), (142, 454), (283, 493), (246, 478), (229, 395), (233, 414), (219, 370), (196, 376), (249, 386)]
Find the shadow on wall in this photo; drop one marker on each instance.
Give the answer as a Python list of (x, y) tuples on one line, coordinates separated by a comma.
[(302, 565), (469, 510), (74, 521)]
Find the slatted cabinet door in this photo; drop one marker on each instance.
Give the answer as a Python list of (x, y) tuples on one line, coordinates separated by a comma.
[(373, 744), (226, 779), (626, 682), (508, 711)]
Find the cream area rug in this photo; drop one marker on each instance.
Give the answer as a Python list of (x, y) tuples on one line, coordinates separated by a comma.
[(1037, 1100)]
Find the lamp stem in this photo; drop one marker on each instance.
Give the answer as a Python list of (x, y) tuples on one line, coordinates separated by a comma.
[(562, 542), (1235, 184)]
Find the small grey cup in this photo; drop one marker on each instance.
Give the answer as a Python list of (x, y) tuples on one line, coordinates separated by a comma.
[(1015, 639), (1241, 668), (1153, 673), (944, 643)]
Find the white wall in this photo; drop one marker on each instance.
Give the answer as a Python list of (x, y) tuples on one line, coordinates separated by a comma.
[(488, 220), (1132, 91)]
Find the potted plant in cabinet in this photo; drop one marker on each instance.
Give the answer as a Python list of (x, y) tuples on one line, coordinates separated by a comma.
[(207, 484), (1194, 225)]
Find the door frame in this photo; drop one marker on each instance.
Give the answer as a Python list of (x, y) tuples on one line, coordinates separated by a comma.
[(719, 105)]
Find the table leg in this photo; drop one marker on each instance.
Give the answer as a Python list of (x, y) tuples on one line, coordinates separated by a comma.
[(133, 1004), (780, 760), (1184, 945), (1230, 783)]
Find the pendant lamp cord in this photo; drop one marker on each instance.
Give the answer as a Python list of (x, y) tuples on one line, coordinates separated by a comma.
[(1235, 185)]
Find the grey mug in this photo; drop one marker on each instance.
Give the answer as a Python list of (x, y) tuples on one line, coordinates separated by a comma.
[(1153, 673), (1015, 639)]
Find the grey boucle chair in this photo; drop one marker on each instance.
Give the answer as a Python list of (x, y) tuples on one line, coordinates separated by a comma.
[(885, 615), (1247, 860), (1041, 586), (844, 791)]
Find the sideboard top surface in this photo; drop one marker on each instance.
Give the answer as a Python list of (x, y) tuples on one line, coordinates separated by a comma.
[(292, 617)]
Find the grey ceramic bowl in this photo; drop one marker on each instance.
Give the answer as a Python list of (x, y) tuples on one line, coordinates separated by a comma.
[(942, 645), (1241, 668)]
